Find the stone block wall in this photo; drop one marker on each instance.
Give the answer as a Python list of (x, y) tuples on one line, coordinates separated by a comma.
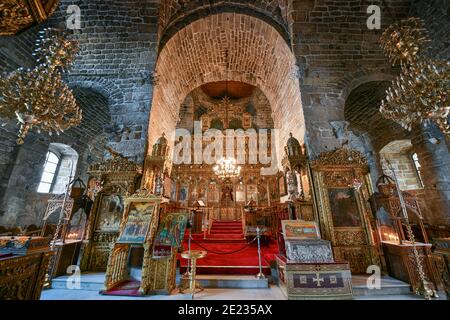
[(112, 81)]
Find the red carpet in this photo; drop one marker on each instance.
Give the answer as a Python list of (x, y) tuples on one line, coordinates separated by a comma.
[(126, 288), (227, 237)]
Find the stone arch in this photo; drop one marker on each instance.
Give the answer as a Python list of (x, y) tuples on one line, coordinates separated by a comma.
[(256, 54), (104, 86), (174, 15), (361, 111), (353, 80)]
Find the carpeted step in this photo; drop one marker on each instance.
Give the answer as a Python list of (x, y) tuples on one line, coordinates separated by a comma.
[(226, 232), (225, 236)]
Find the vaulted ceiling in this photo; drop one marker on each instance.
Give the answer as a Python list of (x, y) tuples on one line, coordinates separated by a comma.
[(362, 112)]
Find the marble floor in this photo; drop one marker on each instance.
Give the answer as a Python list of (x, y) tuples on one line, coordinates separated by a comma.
[(91, 283)]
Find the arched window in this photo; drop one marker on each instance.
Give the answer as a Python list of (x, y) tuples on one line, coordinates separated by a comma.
[(59, 168), (48, 176)]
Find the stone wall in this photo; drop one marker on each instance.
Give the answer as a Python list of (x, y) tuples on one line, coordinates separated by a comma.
[(336, 52), (112, 81)]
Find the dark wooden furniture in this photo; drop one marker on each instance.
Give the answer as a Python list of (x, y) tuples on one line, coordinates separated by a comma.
[(23, 265), (398, 249)]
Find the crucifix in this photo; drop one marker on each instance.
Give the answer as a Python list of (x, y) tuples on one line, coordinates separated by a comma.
[(226, 104)]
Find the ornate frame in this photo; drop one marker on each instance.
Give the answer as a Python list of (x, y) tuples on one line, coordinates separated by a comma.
[(117, 264), (117, 176), (338, 169)]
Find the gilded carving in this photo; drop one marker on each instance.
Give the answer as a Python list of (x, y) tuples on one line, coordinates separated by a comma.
[(350, 238), (340, 157), (350, 234), (338, 178), (17, 15)]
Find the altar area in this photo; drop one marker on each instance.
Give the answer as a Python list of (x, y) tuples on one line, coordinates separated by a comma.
[(312, 237)]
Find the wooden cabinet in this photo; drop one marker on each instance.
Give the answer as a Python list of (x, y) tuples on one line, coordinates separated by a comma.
[(401, 264)]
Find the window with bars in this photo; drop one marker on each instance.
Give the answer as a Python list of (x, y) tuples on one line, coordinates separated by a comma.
[(418, 168), (48, 176)]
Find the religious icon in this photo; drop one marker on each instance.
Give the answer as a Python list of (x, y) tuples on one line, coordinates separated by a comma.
[(213, 193), (111, 210), (262, 193), (344, 209), (170, 232), (138, 222), (240, 195), (282, 185), (227, 194), (298, 229), (252, 192), (202, 193), (184, 189)]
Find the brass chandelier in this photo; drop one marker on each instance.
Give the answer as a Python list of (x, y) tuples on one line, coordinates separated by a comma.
[(38, 97), (421, 91), (226, 168)]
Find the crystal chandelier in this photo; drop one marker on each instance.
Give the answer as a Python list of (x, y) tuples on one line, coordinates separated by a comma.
[(226, 168), (421, 91), (38, 97)]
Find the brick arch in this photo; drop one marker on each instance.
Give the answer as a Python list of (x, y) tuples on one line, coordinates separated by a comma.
[(257, 55)]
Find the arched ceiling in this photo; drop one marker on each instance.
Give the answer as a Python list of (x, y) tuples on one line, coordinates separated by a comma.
[(362, 112), (227, 47), (232, 89), (95, 113)]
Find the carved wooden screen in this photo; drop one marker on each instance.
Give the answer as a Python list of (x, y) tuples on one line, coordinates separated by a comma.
[(344, 212), (118, 178)]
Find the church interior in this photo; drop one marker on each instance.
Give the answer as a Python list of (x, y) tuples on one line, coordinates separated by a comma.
[(187, 149)]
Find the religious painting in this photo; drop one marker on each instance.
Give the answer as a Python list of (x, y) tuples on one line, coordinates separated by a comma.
[(262, 193), (138, 222), (282, 185), (227, 194), (305, 186), (344, 209), (202, 193), (300, 230), (173, 192), (193, 193), (170, 233), (213, 193), (111, 210), (168, 184), (274, 191), (184, 193), (240, 194), (252, 192)]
